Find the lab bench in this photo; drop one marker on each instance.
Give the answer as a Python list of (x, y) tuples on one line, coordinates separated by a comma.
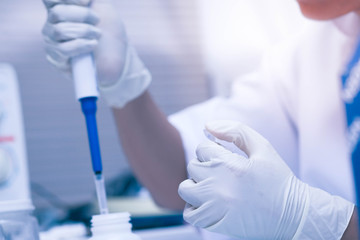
[(174, 233), (78, 232)]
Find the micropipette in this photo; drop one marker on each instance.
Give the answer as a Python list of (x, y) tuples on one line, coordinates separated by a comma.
[(84, 75)]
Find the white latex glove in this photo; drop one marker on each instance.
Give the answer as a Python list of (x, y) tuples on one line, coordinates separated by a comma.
[(70, 30), (256, 197)]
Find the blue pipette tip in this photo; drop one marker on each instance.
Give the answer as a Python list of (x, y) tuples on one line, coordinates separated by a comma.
[(88, 106)]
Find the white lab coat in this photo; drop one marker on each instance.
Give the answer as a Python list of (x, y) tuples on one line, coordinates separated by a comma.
[(294, 101)]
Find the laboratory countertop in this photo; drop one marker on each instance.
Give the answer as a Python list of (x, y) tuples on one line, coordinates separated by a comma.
[(174, 233), (78, 231)]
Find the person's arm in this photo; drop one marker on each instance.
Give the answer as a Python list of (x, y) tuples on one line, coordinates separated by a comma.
[(352, 231), (152, 145), (154, 149)]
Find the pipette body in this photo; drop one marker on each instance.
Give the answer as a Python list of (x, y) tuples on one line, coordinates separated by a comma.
[(84, 75)]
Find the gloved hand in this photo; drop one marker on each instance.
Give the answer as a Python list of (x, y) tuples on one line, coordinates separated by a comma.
[(70, 30), (256, 197)]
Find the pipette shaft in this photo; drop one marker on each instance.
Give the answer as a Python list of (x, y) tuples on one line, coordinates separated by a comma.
[(88, 106), (84, 75)]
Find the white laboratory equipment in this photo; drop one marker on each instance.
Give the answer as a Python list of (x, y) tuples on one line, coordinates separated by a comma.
[(14, 180), (16, 221), (114, 226)]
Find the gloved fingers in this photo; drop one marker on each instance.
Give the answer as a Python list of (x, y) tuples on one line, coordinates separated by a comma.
[(193, 193), (211, 156), (69, 49), (58, 61), (208, 150), (69, 31), (204, 216), (247, 139), (202, 171), (53, 54), (51, 3), (63, 66), (199, 171), (72, 13)]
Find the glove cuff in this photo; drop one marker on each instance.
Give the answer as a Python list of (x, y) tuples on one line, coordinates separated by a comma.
[(133, 82), (326, 216)]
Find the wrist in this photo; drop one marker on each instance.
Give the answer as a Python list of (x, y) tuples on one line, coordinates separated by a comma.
[(327, 216), (295, 210)]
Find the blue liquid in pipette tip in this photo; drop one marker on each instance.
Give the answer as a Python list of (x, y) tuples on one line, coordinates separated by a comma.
[(101, 193)]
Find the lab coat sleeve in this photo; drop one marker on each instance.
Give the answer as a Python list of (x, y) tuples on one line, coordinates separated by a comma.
[(190, 123), (255, 102)]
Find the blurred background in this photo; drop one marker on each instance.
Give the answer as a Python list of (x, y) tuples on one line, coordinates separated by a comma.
[(193, 48)]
